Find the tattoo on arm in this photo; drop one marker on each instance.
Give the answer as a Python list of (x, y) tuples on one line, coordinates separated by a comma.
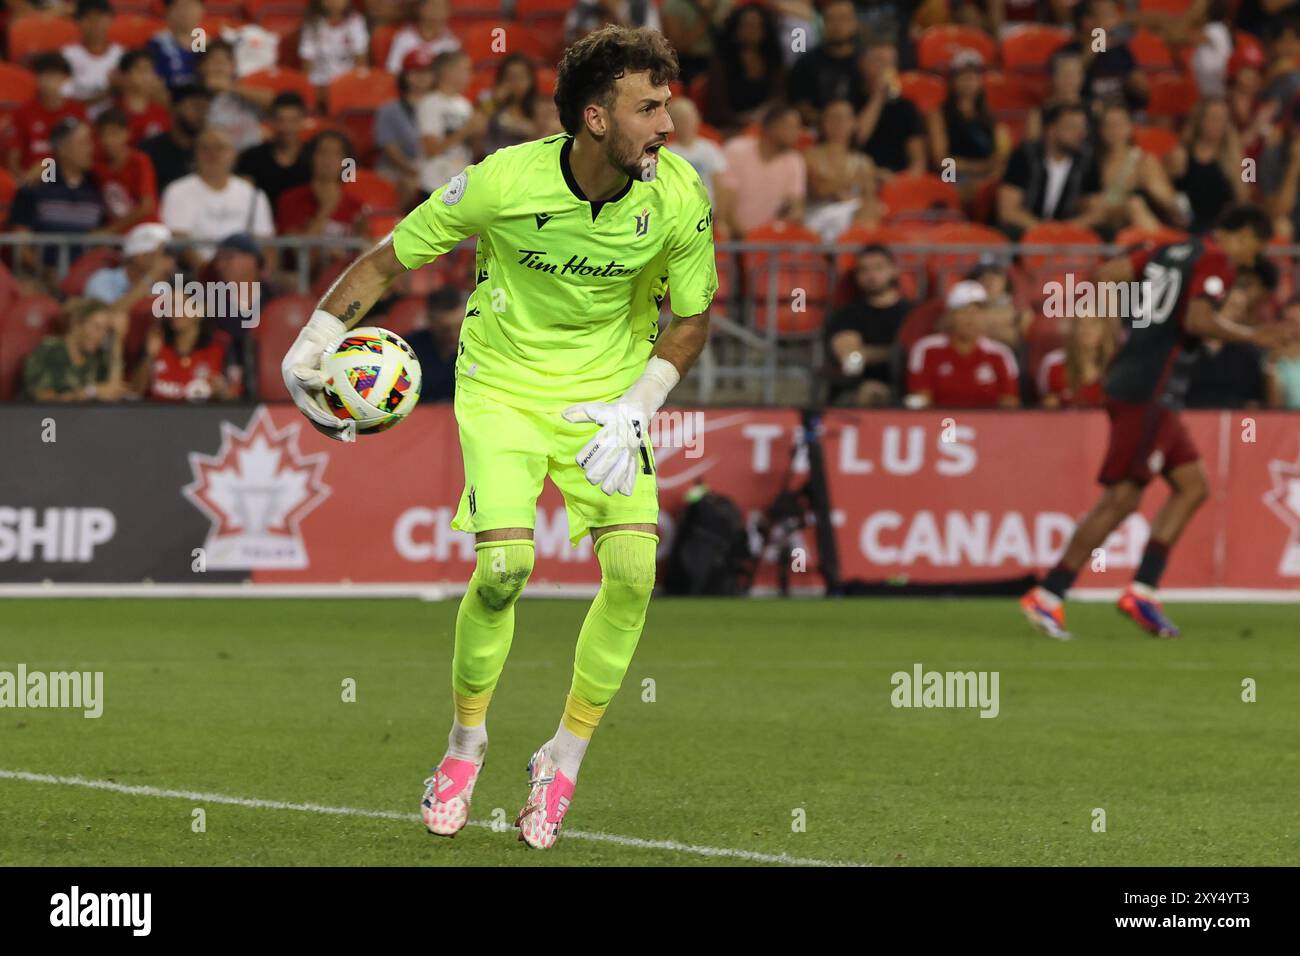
[(351, 311)]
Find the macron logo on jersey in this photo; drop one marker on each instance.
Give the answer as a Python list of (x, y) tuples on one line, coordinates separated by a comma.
[(542, 218)]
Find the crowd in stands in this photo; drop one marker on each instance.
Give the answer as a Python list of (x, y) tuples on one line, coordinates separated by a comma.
[(971, 124)]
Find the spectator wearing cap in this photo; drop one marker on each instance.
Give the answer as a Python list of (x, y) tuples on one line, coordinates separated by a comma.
[(83, 365), (889, 128), (448, 123), (841, 180), (964, 130), (280, 163), (748, 74), (145, 260), (141, 92), (334, 40), (588, 15), (1206, 166), (1071, 377), (237, 108), (435, 345), (765, 179), (125, 176), (172, 152), (172, 47), (397, 134), (509, 109), (1112, 74), (829, 71), (961, 367), (35, 120), (212, 202), (1055, 178), (861, 335), (70, 202), (705, 156), (429, 34), (692, 26), (94, 58)]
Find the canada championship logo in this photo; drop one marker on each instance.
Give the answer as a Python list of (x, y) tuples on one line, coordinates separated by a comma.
[(1283, 499), (256, 490)]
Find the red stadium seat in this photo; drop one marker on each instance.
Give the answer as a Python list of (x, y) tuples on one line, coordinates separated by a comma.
[(549, 33), (282, 320), (492, 39), (1171, 95), (920, 193), (381, 41), (946, 264), (379, 225), (796, 269), (362, 90), (8, 186), (1137, 236), (546, 77), (40, 33), (1005, 92), (923, 320), (926, 90), (1156, 140), (1175, 7), (1051, 267), (279, 79), (133, 30), (938, 46), (230, 9), (257, 10), (532, 8), (84, 266), (374, 191), (212, 24), (406, 315), (17, 85), (26, 322), (1150, 51), (1028, 47), (912, 266)]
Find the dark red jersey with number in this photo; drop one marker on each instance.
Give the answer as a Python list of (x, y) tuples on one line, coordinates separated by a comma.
[(1155, 362)]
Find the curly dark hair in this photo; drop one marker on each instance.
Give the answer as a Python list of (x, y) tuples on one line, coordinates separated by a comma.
[(592, 64)]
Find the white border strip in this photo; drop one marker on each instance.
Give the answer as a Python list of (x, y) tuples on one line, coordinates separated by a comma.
[(633, 842), (449, 590)]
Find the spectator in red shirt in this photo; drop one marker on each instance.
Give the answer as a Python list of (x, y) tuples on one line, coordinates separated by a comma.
[(962, 368), (34, 120), (125, 175), (1071, 377), (322, 207), (185, 358), (142, 90)]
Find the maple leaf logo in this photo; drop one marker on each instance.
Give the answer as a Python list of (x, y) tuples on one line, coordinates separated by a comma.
[(256, 490), (1283, 499)]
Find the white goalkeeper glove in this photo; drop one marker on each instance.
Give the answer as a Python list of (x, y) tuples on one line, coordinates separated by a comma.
[(612, 458), (303, 379)]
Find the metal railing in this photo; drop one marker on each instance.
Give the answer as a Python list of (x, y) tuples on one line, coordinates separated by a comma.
[(747, 345)]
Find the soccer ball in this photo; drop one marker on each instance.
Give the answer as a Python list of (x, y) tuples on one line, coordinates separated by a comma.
[(371, 377)]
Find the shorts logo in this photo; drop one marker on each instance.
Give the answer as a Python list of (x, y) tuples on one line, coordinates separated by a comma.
[(455, 190), (473, 500)]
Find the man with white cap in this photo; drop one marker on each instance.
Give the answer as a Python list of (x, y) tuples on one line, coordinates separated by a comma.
[(145, 260), (961, 367)]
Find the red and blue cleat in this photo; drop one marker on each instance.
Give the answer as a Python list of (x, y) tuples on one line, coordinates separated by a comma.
[(1045, 611), (1139, 603)]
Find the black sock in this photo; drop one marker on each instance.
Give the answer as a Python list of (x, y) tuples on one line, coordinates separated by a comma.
[(1059, 579), (1153, 563)]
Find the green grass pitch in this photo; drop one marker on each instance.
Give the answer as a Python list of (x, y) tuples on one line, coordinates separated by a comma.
[(764, 712)]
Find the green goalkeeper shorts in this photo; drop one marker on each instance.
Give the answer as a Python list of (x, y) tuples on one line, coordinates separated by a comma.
[(508, 451)]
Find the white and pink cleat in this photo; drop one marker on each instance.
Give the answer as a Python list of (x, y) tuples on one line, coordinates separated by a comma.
[(445, 807), (548, 801)]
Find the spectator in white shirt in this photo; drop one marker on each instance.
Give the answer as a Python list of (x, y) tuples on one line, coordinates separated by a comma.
[(93, 59), (214, 203), (704, 155), (449, 124), (428, 33), (334, 40)]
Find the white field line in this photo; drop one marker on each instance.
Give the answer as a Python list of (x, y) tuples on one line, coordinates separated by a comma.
[(635, 842), (446, 591)]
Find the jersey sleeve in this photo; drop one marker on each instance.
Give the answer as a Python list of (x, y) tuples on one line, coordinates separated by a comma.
[(453, 212), (1139, 258), (1212, 277), (692, 265)]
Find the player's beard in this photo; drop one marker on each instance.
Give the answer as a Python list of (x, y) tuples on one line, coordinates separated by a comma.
[(626, 154)]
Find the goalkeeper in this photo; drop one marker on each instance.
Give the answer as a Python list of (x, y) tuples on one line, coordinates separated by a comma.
[(560, 367)]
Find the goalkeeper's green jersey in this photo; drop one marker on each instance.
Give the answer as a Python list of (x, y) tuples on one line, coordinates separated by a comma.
[(567, 295)]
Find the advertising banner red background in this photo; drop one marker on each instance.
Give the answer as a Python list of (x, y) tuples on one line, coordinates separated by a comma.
[(926, 496)]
